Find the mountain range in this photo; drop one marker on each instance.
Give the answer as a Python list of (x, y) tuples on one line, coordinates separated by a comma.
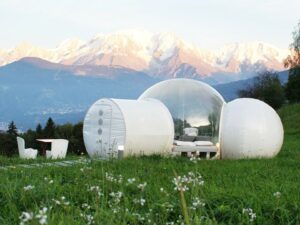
[(36, 83), (162, 55)]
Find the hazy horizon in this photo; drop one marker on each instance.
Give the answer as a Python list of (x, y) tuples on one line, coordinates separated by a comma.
[(207, 24)]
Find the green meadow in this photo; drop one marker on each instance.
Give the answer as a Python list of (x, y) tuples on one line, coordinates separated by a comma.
[(158, 190)]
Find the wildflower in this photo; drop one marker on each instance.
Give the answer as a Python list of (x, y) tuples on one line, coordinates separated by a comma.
[(29, 187), (42, 216), (197, 203), (277, 194), (111, 178), (85, 206), (57, 202), (51, 182), (130, 180), (139, 201), (179, 184), (61, 201), (249, 211), (142, 186), (89, 218), (116, 198), (116, 194), (194, 159), (96, 189), (182, 182), (161, 189), (115, 210), (25, 217)]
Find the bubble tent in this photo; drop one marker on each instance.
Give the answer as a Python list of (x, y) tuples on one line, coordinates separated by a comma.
[(142, 127), (183, 115), (192, 104)]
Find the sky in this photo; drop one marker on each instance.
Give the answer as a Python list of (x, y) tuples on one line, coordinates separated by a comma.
[(206, 23)]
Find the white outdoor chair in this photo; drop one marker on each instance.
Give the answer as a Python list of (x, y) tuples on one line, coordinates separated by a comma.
[(25, 153), (58, 149)]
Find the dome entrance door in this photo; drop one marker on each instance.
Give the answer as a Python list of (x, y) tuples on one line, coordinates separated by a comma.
[(104, 129)]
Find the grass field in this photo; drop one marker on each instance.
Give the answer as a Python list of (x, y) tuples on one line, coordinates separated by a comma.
[(143, 191)]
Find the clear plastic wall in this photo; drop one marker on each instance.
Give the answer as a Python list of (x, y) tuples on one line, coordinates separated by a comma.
[(192, 104)]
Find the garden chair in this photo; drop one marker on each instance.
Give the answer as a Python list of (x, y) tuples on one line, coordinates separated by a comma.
[(59, 149), (25, 153)]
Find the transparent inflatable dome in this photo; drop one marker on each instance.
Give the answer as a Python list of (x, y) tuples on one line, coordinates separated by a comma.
[(193, 104)]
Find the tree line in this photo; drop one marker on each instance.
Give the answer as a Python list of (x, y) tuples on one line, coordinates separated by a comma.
[(73, 133), (267, 85)]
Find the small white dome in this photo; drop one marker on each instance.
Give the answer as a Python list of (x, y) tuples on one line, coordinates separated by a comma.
[(250, 129), (141, 127)]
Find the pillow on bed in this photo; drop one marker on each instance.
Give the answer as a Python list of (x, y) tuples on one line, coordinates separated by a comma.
[(184, 143)]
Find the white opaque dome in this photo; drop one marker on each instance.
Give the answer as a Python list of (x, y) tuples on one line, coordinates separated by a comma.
[(191, 103), (142, 127), (250, 129)]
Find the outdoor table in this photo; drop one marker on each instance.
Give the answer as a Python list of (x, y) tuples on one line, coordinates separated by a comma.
[(44, 144)]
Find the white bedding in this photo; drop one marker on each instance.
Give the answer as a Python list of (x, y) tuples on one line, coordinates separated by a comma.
[(193, 144), (203, 143), (184, 143)]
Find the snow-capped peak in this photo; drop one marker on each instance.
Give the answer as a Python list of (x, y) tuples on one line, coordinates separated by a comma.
[(70, 44), (157, 54)]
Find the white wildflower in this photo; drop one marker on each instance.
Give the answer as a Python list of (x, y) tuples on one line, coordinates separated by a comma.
[(56, 202), (95, 189), (197, 203), (88, 218), (62, 201), (251, 214), (116, 198), (25, 217), (130, 180), (29, 187), (111, 178), (194, 159), (170, 223), (182, 182), (139, 201), (142, 186), (179, 184), (42, 216), (277, 194), (85, 206)]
